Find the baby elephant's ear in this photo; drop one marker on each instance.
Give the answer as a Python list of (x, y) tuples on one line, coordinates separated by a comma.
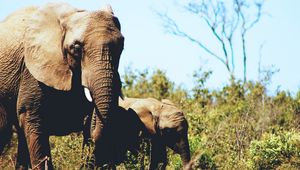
[(44, 54)]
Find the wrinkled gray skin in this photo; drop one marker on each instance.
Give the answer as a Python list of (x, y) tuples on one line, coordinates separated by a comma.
[(161, 121), (48, 55)]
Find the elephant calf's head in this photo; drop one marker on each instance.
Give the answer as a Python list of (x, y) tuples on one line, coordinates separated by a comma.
[(174, 130)]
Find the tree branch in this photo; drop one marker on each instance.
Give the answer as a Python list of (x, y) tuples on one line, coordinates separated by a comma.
[(174, 29), (223, 24)]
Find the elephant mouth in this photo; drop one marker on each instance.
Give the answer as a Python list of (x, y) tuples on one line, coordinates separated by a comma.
[(87, 94)]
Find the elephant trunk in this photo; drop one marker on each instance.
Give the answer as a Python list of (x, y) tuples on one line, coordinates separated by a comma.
[(184, 151), (105, 96), (101, 77)]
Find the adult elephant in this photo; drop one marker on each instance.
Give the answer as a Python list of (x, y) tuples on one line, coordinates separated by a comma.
[(50, 56), (161, 121)]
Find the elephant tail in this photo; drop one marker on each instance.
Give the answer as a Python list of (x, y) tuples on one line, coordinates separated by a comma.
[(5, 130)]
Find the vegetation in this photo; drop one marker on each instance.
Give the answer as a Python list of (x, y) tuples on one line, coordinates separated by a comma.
[(239, 126), (230, 128)]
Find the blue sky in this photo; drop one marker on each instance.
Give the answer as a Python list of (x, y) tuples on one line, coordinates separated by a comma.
[(148, 46)]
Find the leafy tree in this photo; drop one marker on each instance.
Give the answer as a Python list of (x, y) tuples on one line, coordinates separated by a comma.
[(200, 92), (144, 84)]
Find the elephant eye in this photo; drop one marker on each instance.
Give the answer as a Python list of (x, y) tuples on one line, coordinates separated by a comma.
[(76, 49), (167, 130)]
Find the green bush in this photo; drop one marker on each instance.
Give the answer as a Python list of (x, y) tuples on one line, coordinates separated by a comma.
[(275, 150), (67, 151)]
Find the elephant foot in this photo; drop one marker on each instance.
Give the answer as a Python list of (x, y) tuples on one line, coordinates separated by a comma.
[(44, 164), (23, 160)]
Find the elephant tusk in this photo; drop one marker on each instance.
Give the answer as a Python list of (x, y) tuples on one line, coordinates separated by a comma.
[(88, 94)]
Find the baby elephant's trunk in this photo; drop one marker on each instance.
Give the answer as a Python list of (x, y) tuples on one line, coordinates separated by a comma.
[(184, 151)]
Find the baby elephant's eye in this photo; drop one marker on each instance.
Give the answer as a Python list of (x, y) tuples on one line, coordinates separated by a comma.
[(167, 130)]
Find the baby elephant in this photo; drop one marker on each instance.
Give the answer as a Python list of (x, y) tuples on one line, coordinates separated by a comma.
[(161, 121)]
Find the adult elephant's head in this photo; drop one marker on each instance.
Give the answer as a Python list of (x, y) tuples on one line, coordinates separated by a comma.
[(174, 130), (67, 48)]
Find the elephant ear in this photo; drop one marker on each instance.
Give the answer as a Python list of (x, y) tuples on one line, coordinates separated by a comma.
[(44, 54), (145, 115)]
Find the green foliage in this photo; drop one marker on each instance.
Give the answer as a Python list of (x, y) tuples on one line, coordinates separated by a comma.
[(201, 93), (274, 150), (224, 122), (67, 151), (205, 161), (140, 84)]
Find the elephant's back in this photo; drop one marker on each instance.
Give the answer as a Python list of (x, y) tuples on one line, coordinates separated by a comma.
[(18, 16), (12, 30), (127, 102)]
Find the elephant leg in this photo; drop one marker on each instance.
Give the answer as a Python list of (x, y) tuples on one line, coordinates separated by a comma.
[(5, 128), (158, 154), (23, 160), (38, 144), (39, 150), (33, 114)]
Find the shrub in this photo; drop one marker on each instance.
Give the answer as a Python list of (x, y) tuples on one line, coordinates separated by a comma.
[(275, 150), (67, 151)]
